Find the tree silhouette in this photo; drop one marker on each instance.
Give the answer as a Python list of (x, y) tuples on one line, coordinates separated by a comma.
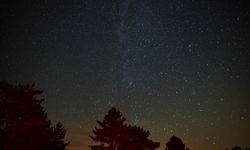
[(23, 122), (114, 134), (56, 141), (137, 139), (236, 148), (111, 131), (175, 143)]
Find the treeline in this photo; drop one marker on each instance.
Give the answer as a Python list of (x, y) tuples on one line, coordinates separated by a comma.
[(238, 148), (24, 126)]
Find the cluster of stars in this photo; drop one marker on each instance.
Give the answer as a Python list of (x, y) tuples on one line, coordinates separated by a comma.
[(176, 68)]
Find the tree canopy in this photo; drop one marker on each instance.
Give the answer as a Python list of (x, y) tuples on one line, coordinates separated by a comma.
[(175, 143), (114, 134), (23, 122)]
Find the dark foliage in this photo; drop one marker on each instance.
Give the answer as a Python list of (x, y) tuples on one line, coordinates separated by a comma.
[(23, 122), (111, 131), (114, 134), (236, 148), (137, 139), (175, 143)]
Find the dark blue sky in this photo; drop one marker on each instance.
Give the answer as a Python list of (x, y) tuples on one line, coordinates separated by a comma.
[(174, 67)]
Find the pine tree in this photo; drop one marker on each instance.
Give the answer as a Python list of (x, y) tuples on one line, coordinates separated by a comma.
[(56, 140), (137, 139), (114, 134), (23, 122), (175, 143), (111, 131)]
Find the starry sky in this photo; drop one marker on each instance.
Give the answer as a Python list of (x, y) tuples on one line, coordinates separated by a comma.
[(174, 67)]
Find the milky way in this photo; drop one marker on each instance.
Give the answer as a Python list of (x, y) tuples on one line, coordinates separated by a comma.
[(174, 67)]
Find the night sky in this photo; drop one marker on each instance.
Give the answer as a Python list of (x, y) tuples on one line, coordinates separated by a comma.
[(174, 67)]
